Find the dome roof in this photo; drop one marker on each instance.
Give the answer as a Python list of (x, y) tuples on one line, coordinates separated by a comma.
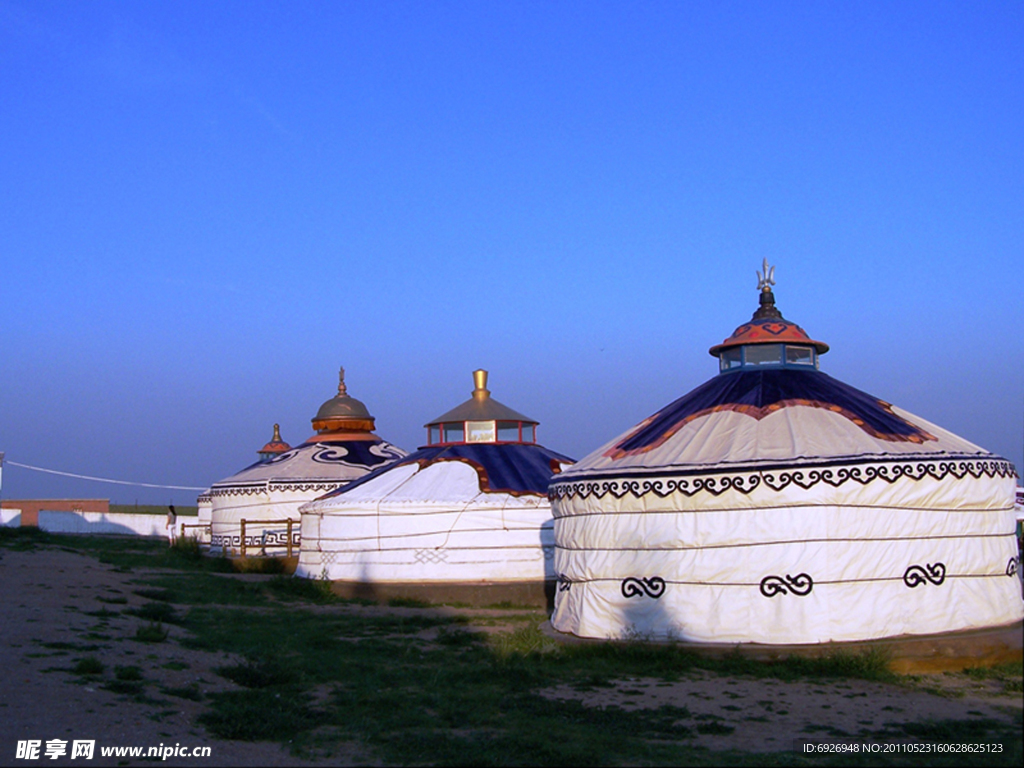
[(762, 418), (758, 414), (512, 470), (768, 326), (343, 412)]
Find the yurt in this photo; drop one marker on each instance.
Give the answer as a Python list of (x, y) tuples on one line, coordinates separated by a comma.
[(254, 511), (774, 504), (203, 528), (466, 517)]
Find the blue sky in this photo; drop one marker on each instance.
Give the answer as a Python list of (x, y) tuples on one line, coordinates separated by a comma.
[(207, 207)]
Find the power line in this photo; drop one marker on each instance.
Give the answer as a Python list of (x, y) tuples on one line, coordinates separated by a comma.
[(102, 479)]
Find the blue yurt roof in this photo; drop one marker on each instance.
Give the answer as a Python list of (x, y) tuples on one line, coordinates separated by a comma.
[(516, 469)]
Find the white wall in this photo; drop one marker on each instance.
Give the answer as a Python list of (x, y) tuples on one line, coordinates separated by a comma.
[(99, 522), (10, 517)]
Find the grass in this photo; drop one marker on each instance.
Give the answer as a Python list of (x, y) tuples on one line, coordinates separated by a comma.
[(156, 612), (153, 632), (128, 673), (420, 687), (154, 509), (1008, 674), (89, 665), (263, 672), (313, 590), (190, 692)]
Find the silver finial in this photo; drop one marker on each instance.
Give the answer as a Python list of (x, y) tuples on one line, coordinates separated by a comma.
[(765, 282)]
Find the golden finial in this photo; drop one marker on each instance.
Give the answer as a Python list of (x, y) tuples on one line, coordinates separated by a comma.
[(480, 382), (342, 391), (277, 434), (766, 281)]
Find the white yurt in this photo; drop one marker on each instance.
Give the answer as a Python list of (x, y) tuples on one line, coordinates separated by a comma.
[(465, 517), (265, 496), (775, 504)]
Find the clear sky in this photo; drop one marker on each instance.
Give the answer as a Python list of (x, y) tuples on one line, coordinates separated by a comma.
[(207, 207)]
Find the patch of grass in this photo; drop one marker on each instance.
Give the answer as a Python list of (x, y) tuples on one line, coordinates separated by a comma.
[(1010, 674), (262, 672), (127, 673), (260, 715), (948, 731), (155, 593), (154, 509), (102, 613), (523, 641), (508, 605), (187, 548), (89, 665), (715, 728), (63, 646), (158, 612), (407, 602), (313, 590), (116, 600), (177, 666), (457, 638), (153, 632), (208, 589), (24, 538), (190, 692), (127, 687)]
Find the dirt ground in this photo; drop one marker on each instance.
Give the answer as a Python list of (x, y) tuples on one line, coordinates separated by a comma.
[(48, 594)]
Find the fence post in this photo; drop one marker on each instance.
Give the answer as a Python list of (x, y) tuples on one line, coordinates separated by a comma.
[(243, 538), (289, 537), (183, 530)]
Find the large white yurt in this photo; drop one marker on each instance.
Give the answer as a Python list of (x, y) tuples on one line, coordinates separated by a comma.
[(264, 496), (775, 504), (465, 517)]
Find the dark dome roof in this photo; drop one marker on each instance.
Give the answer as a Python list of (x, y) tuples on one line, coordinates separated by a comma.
[(343, 411)]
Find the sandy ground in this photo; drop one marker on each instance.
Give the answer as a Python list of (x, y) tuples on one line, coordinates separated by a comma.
[(775, 716), (48, 594), (45, 596)]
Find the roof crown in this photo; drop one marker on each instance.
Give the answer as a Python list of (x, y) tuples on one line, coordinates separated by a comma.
[(767, 325), (481, 419), (343, 412), (275, 446)]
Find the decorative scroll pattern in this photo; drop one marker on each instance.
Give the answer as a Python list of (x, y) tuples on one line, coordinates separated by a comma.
[(274, 485), (800, 585), (778, 480), (366, 456), (652, 587), (564, 583), (1013, 566), (916, 575), (270, 538), (432, 556)]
